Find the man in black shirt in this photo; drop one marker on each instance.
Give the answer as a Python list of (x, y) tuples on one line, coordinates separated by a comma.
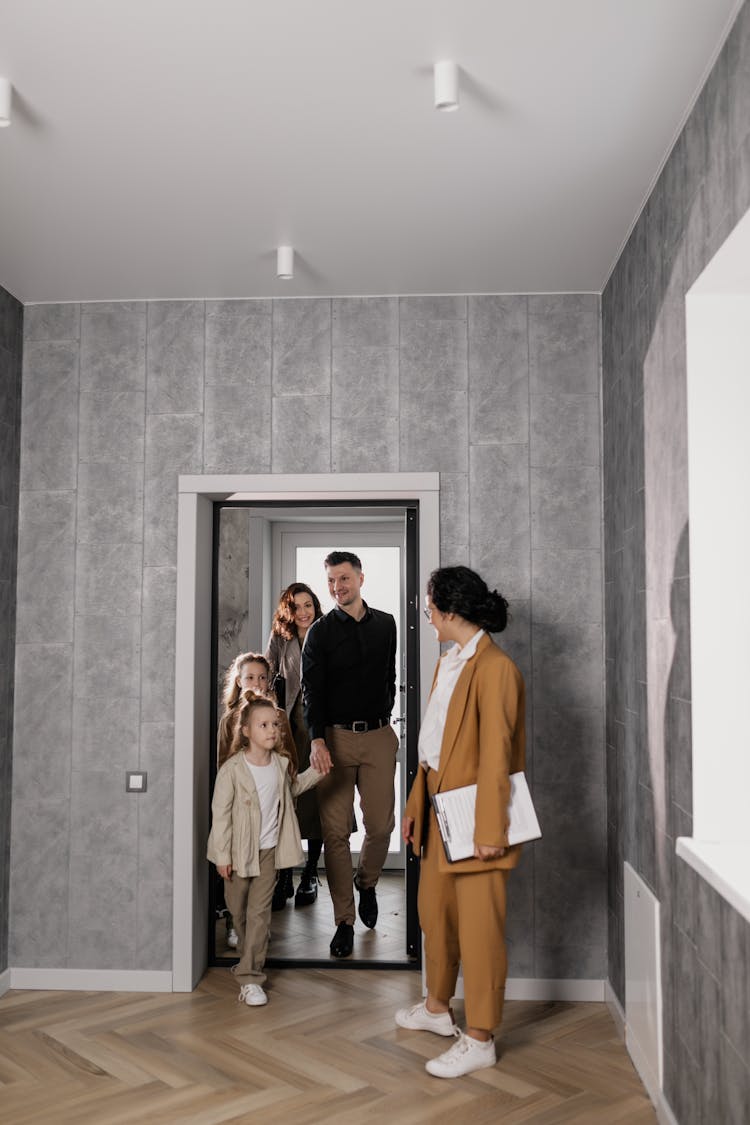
[(348, 688)]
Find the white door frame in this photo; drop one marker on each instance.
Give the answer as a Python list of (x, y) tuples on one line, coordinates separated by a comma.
[(192, 726)]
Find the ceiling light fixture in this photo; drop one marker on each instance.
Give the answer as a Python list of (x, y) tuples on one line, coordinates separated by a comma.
[(6, 93), (285, 263), (446, 86)]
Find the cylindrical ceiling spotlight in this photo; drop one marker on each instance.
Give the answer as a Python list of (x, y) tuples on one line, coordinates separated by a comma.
[(285, 263), (446, 85), (6, 96)]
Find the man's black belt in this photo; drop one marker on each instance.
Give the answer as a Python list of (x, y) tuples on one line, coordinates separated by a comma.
[(361, 726)]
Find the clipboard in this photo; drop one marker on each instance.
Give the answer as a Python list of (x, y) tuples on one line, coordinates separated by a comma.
[(454, 812)]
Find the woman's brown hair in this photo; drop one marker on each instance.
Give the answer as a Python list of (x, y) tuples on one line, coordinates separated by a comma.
[(283, 619)]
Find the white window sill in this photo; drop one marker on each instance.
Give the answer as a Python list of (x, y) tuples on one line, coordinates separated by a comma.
[(726, 867)]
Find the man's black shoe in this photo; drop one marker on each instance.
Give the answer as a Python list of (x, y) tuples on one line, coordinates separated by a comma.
[(368, 905), (307, 891), (342, 943)]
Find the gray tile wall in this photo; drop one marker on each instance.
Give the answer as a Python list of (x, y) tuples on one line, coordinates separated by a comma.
[(498, 394), (11, 340), (702, 192)]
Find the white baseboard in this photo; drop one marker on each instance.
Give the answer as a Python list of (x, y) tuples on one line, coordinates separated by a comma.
[(91, 980), (4, 981), (615, 1009), (530, 988)]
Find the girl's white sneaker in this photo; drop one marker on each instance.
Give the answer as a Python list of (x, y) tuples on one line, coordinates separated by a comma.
[(253, 995), (463, 1057)]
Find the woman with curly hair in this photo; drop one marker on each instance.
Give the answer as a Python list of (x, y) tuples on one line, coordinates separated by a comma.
[(297, 609), (472, 734)]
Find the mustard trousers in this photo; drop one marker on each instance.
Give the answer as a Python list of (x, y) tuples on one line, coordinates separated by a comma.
[(463, 920)]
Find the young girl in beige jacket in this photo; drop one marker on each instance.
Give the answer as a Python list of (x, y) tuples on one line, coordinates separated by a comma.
[(255, 833)]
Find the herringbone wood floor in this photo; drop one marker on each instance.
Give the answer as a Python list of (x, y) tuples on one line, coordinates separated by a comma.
[(324, 1049)]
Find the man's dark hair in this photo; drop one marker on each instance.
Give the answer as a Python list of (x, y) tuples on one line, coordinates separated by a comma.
[(336, 558)]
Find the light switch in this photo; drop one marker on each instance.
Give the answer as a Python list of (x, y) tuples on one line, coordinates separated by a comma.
[(136, 782)]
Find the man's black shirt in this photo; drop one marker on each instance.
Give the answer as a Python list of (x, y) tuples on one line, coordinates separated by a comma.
[(348, 669)]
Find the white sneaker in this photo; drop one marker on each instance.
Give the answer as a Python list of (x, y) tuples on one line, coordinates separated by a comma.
[(232, 939), (463, 1057), (419, 1018), (253, 995)]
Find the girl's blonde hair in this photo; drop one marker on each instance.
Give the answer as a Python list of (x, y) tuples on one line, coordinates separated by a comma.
[(232, 689), (250, 702)]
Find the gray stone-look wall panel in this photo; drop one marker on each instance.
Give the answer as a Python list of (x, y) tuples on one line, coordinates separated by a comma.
[(42, 671), (499, 517), (105, 710), (237, 430), (434, 393), (103, 816), (108, 579), (564, 344), (46, 577), (364, 406), (39, 921), (567, 744), (566, 659), (516, 641), (107, 657), (365, 322), (565, 508), (175, 353), (110, 503), (103, 887), (174, 445), (498, 370), (113, 346), (427, 309), (49, 415), (159, 590), (564, 431), (566, 585), (301, 434), (233, 575), (454, 513), (157, 667), (112, 426), (153, 900), (238, 345), (302, 347), (51, 322)]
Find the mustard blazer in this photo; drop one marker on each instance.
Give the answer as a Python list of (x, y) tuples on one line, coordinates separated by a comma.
[(484, 742)]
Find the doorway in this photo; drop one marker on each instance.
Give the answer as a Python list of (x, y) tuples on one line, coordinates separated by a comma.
[(194, 715), (261, 549)]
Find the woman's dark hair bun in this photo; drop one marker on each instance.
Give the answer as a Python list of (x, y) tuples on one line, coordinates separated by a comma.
[(457, 589)]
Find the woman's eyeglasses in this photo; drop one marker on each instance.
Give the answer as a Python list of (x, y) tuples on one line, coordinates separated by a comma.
[(427, 611)]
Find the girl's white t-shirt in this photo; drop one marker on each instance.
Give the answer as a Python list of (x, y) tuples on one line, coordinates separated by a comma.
[(266, 780)]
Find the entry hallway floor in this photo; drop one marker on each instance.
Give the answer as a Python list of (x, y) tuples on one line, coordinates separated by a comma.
[(324, 1049)]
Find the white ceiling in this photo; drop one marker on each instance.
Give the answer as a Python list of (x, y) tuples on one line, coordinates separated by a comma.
[(164, 148)]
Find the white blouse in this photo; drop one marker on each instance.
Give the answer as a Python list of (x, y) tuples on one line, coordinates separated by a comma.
[(266, 780), (452, 664)]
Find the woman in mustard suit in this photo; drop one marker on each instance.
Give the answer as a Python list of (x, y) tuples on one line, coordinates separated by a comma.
[(473, 733)]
